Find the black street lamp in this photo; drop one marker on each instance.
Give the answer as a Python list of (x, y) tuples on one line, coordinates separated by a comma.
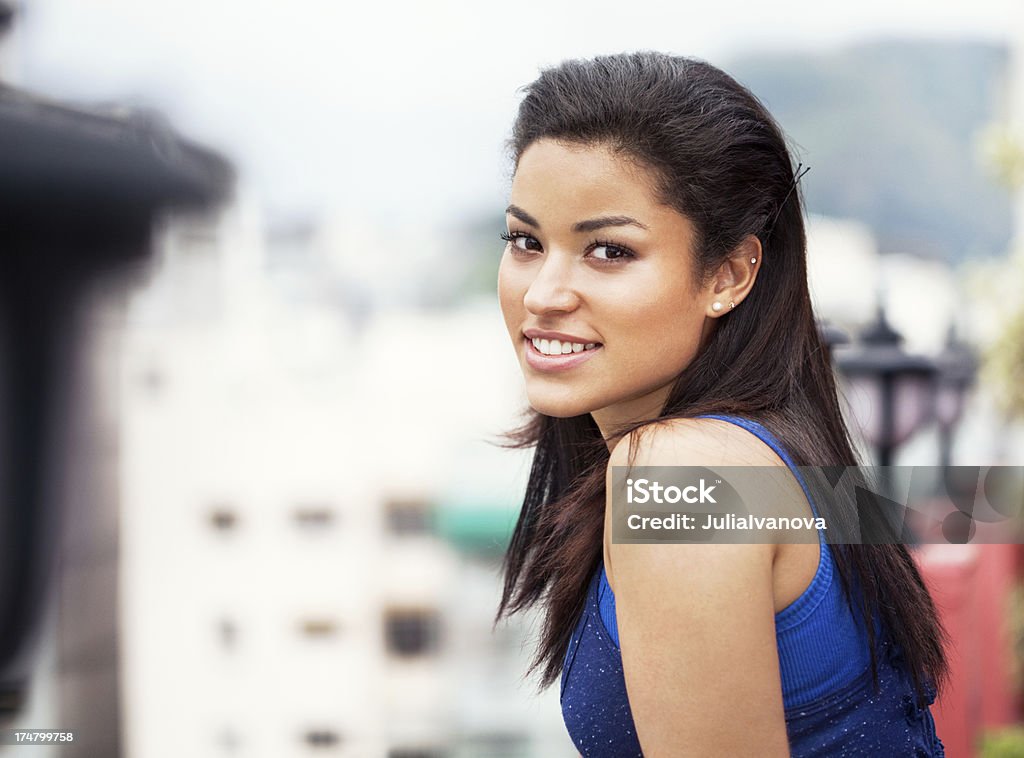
[(957, 366), (892, 392)]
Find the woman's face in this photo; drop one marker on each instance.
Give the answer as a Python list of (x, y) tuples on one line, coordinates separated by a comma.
[(597, 270)]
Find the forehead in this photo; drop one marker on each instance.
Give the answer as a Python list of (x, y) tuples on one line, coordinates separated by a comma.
[(569, 181)]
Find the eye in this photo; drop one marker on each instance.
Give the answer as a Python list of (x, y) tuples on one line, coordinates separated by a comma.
[(522, 242), (609, 253)]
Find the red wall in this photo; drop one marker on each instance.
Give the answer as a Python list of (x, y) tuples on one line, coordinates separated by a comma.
[(971, 586)]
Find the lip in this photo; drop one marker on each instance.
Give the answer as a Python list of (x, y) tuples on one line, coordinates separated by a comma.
[(555, 363)]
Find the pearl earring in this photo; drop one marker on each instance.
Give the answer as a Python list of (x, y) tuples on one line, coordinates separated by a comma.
[(716, 306), (753, 260)]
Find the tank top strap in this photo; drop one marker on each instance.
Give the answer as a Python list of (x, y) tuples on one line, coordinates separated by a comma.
[(761, 432)]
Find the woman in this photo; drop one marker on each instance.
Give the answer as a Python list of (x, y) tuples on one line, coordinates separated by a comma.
[(654, 285)]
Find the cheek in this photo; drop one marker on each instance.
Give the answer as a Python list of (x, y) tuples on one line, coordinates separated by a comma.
[(666, 326), (512, 281)]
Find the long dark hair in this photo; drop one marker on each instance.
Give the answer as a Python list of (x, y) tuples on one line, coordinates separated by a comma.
[(721, 160)]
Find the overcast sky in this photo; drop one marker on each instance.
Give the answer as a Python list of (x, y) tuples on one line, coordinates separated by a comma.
[(400, 110)]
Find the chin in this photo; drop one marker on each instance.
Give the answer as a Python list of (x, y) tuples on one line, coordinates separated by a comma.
[(558, 407)]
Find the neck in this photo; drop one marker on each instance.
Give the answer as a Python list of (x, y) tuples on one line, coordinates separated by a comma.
[(613, 420)]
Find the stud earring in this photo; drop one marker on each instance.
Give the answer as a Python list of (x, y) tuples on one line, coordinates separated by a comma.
[(732, 304), (753, 260), (716, 306)]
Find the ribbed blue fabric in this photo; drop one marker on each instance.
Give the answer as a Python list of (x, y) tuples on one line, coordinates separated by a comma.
[(824, 662)]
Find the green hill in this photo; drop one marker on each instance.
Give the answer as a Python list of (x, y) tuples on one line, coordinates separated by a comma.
[(890, 131)]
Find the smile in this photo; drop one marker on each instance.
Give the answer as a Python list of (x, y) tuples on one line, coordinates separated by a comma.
[(555, 347), (541, 355)]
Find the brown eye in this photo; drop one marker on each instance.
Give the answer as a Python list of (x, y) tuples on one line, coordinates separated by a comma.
[(522, 242), (607, 252)]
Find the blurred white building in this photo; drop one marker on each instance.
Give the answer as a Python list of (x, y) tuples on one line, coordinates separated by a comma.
[(310, 515), (848, 279), (843, 269)]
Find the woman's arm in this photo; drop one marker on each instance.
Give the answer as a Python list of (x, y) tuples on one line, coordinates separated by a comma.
[(697, 624)]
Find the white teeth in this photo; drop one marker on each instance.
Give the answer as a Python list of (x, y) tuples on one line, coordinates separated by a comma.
[(557, 347)]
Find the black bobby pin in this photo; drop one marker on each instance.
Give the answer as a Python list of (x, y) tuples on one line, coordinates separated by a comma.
[(797, 176)]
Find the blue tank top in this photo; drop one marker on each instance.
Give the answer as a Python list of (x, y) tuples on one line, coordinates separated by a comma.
[(831, 706)]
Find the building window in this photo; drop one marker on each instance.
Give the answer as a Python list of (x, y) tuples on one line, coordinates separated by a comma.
[(152, 380), (408, 516), (410, 632), (223, 518), (228, 741), (314, 517), (417, 752), (320, 628), (321, 738), (227, 632)]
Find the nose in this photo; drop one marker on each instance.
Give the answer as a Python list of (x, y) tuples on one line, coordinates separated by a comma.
[(552, 289)]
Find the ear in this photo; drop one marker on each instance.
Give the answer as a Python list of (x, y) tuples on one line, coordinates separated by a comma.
[(731, 283)]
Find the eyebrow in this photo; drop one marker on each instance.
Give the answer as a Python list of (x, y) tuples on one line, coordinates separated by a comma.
[(589, 225)]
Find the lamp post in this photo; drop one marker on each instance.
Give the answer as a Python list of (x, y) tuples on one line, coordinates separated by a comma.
[(957, 366), (892, 392)]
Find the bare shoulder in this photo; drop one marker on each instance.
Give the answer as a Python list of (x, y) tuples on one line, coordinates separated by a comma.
[(704, 442), (693, 442)]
